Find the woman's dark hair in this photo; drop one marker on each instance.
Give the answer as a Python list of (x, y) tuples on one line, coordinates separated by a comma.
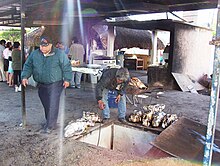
[(75, 39), (8, 45), (2, 41), (16, 44)]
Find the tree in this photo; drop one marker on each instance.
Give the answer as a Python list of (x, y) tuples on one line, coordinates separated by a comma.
[(11, 35)]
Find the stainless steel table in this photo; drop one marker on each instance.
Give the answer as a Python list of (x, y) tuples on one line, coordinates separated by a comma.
[(88, 70)]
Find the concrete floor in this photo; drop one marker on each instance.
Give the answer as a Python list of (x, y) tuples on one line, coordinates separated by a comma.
[(75, 101)]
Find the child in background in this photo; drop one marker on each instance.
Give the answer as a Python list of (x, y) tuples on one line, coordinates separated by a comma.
[(10, 72)]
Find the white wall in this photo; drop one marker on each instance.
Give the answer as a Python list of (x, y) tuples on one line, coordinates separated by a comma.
[(192, 53)]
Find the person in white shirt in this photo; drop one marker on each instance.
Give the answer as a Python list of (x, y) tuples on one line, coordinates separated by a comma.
[(76, 52), (6, 55), (2, 48)]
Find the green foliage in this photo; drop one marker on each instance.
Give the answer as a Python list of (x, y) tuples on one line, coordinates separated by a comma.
[(11, 35), (213, 27)]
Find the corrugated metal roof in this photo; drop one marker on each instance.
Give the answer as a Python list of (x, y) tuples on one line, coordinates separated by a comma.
[(53, 12)]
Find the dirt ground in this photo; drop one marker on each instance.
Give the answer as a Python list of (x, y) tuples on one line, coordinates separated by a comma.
[(28, 146)]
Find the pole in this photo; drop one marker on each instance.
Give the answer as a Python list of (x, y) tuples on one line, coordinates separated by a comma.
[(154, 58), (210, 135), (23, 107)]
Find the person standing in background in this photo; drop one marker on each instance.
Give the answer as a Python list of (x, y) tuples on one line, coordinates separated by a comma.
[(51, 69), (2, 48), (10, 72), (6, 54), (76, 53), (16, 65)]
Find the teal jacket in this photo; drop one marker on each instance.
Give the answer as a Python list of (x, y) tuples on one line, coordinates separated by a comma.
[(47, 69)]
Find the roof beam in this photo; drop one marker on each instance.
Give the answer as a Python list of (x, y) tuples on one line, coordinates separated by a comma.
[(137, 8), (193, 3), (193, 6), (10, 18), (12, 11), (9, 22), (53, 9), (8, 2)]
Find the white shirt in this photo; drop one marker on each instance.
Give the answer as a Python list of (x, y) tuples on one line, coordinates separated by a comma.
[(6, 53)]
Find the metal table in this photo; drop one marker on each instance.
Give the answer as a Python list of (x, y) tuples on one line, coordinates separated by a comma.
[(87, 70)]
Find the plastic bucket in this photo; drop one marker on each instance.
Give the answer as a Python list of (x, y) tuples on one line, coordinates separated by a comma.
[(111, 99)]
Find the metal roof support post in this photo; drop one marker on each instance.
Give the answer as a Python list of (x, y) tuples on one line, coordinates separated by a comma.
[(110, 42), (154, 56), (23, 107), (210, 135)]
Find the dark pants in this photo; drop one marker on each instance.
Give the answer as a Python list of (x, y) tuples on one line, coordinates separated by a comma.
[(6, 64), (17, 77), (50, 98)]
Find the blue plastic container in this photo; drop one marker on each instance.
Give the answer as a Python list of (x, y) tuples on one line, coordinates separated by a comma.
[(111, 99)]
